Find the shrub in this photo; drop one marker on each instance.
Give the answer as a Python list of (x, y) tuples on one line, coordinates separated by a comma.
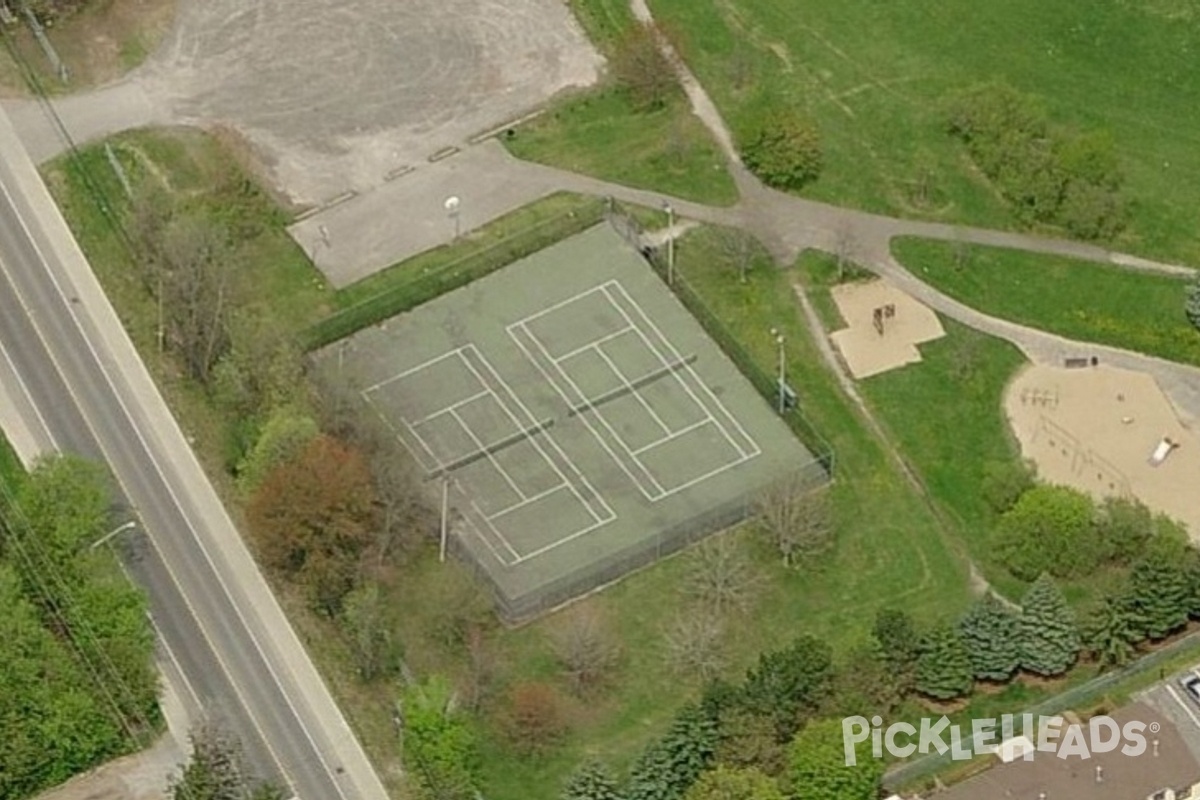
[(1004, 482), (1050, 529), (783, 149), (641, 69), (534, 717)]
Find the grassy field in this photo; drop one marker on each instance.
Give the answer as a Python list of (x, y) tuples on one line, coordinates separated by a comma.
[(599, 133), (889, 551), (1077, 299), (875, 76), (99, 44)]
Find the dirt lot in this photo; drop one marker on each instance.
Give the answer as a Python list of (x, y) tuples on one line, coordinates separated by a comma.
[(868, 351), (336, 94), (1095, 428)]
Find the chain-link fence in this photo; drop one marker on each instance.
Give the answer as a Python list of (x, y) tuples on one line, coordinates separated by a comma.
[(628, 227), (515, 608), (910, 773)]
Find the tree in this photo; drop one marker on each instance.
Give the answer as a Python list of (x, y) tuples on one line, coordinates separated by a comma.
[(817, 767), (944, 666), (1049, 529), (1110, 631), (989, 632), (641, 68), (1004, 482), (66, 503), (783, 148), (727, 783), (440, 746), (369, 629), (592, 781), (1191, 302), (196, 285), (1047, 633), (1124, 526), (1159, 587), (738, 249), (748, 740), (719, 575), (669, 767), (534, 717), (217, 771), (694, 644), (585, 649), (899, 645), (798, 519), (286, 433), (312, 517), (789, 685), (864, 682)]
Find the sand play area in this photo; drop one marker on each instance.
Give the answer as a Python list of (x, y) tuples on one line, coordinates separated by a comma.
[(1099, 429), (885, 327)]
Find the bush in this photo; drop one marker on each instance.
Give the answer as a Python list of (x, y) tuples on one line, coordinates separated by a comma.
[(534, 717), (642, 70), (1048, 174), (1004, 482), (1050, 529), (783, 149)]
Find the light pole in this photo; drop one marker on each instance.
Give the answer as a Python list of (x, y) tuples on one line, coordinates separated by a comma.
[(667, 207), (112, 533), (452, 208), (779, 341)]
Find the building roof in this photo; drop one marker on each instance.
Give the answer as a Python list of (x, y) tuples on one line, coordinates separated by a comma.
[(1073, 778)]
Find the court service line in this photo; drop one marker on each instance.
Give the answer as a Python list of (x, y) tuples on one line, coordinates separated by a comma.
[(755, 449), (592, 344), (491, 457), (675, 435), (582, 402), (450, 407), (638, 395), (403, 440), (528, 500), (515, 399), (423, 365)]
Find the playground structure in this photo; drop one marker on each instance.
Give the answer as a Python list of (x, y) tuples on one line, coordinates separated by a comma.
[(1108, 432), (884, 327)]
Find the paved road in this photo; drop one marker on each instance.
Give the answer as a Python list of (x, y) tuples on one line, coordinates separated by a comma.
[(77, 367)]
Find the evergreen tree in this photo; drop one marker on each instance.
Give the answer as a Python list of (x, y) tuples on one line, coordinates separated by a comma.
[(989, 632), (944, 666), (789, 685), (1048, 635), (669, 767), (1111, 629), (1160, 589), (726, 783), (899, 642), (591, 782), (1191, 304)]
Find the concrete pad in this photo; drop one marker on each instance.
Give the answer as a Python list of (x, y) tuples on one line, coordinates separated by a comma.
[(393, 222), (1094, 428), (867, 352), (141, 776)]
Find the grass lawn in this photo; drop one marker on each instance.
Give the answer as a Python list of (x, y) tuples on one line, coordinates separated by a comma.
[(1077, 299), (889, 552), (874, 77), (99, 44), (599, 133)]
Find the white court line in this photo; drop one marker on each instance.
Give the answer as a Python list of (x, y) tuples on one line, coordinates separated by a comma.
[(449, 408), (423, 365), (593, 344), (608, 512), (531, 499), (638, 395), (437, 464), (491, 457), (674, 435), (585, 405), (755, 449), (479, 535)]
